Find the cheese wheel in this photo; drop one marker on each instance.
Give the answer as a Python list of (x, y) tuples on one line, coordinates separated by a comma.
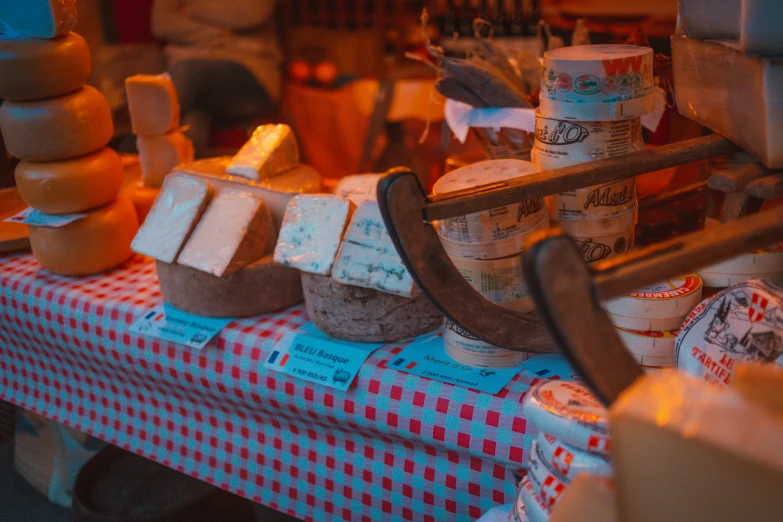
[(69, 186), (259, 288), (142, 197), (57, 128), (160, 154), (37, 18), (94, 244), (153, 104), (33, 69)]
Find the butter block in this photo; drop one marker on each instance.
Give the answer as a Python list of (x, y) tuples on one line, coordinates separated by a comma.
[(311, 233), (367, 257), (160, 154), (152, 103), (234, 231), (172, 218), (271, 151), (739, 96)]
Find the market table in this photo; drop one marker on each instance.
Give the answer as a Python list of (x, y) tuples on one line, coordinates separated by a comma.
[(393, 447)]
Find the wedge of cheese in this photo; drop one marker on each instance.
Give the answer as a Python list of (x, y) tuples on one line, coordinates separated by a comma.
[(73, 185), (173, 216), (33, 69), (235, 230), (358, 188), (37, 18), (312, 230), (271, 151), (686, 450), (588, 498), (152, 103), (160, 154), (367, 256)]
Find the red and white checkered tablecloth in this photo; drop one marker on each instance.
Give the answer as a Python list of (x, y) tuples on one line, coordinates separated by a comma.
[(393, 447)]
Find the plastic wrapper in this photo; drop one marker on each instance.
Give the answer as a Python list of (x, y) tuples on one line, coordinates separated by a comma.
[(172, 218), (311, 233), (738, 96), (37, 18), (270, 151)]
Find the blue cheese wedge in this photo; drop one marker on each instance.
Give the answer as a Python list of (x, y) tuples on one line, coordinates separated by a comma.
[(235, 231), (311, 233), (172, 218), (271, 151), (367, 257)]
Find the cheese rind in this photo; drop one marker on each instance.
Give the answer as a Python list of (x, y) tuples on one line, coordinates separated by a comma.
[(588, 498), (37, 18), (153, 104), (57, 128), (261, 287), (270, 151), (358, 187), (34, 69), (235, 230), (171, 221), (367, 256), (94, 244), (142, 197), (70, 186), (311, 233), (159, 155)]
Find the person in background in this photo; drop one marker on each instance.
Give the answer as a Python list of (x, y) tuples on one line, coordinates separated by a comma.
[(224, 59)]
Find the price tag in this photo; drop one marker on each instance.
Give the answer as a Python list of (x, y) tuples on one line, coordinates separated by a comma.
[(30, 216), (170, 324), (313, 356)]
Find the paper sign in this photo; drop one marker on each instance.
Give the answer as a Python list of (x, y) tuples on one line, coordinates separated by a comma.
[(313, 356), (170, 324), (426, 357), (550, 366), (30, 216)]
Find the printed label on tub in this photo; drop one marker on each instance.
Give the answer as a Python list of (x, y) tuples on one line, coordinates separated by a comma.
[(741, 324), (597, 248), (497, 280), (495, 224)]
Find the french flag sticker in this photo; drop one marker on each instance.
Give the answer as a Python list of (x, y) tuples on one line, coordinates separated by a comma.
[(399, 363), (275, 355)]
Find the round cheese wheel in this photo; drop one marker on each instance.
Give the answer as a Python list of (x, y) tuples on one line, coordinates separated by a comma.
[(33, 69), (259, 288), (143, 198), (57, 128), (365, 315), (91, 245), (68, 186)]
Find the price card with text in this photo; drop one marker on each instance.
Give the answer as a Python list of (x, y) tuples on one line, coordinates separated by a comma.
[(30, 216), (171, 324), (311, 355)]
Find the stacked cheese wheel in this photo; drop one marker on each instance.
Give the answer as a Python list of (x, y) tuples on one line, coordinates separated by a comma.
[(213, 235), (59, 127), (154, 113), (487, 249), (647, 320), (573, 439), (592, 98), (355, 284)]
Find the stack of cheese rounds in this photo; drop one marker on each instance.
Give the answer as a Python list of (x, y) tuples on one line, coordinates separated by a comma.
[(487, 248), (573, 439), (647, 320), (592, 98), (59, 127)]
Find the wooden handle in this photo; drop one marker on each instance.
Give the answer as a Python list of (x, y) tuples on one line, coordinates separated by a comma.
[(598, 172)]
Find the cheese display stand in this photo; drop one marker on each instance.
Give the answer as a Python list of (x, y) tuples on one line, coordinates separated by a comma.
[(492, 346)]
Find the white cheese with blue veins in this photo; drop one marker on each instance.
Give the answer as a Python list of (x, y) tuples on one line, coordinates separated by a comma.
[(367, 257), (312, 229)]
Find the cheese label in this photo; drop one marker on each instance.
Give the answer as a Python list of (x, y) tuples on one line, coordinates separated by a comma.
[(742, 324), (649, 344), (32, 217), (598, 248), (552, 483), (535, 508), (168, 323), (313, 356), (569, 461)]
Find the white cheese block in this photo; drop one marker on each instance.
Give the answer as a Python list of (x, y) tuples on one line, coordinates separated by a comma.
[(153, 104), (276, 192), (312, 230), (234, 231), (271, 150), (760, 22), (358, 187), (739, 96), (589, 498), (708, 20), (37, 18), (173, 216), (367, 256), (159, 155), (684, 450)]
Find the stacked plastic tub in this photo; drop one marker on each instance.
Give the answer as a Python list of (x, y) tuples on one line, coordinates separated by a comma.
[(592, 100)]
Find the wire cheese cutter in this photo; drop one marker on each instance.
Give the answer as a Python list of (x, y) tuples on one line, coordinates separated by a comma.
[(567, 292)]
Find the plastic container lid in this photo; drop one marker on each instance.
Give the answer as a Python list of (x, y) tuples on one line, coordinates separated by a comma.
[(570, 461), (570, 412), (552, 484), (740, 324), (534, 507), (670, 299), (652, 344)]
